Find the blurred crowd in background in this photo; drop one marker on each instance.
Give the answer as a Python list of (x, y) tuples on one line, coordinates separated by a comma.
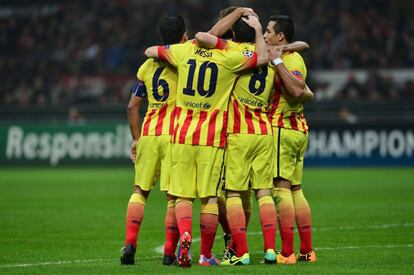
[(75, 52)]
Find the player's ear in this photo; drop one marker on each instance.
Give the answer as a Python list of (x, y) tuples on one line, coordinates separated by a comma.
[(280, 36)]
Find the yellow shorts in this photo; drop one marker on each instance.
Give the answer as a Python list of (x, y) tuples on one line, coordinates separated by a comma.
[(249, 162), (290, 146), (153, 162), (196, 171)]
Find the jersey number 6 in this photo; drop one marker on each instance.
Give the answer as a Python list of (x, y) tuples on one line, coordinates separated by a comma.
[(156, 82)]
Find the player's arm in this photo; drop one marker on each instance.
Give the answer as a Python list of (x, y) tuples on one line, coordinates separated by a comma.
[(152, 52), (170, 53), (307, 95), (225, 24), (138, 93), (206, 40), (297, 46), (295, 86), (261, 50)]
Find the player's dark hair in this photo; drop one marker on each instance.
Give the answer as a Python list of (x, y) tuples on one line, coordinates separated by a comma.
[(243, 32), (227, 11), (172, 29), (224, 13), (284, 23)]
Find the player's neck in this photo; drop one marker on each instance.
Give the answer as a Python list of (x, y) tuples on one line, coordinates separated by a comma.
[(282, 43)]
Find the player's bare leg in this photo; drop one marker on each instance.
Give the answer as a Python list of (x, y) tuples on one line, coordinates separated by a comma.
[(304, 224)]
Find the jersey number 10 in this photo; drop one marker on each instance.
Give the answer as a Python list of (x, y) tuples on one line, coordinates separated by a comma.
[(201, 78)]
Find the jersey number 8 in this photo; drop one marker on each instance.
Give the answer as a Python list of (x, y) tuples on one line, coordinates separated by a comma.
[(259, 75)]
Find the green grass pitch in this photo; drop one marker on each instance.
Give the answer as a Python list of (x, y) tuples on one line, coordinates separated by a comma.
[(72, 221)]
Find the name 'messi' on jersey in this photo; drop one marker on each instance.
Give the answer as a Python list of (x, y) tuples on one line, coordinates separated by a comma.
[(205, 81), (160, 81)]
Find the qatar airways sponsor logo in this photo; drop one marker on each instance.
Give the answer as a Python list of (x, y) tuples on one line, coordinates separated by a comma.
[(251, 102), (197, 105), (396, 143)]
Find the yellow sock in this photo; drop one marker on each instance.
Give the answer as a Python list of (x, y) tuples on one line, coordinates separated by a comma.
[(233, 201), (137, 198), (303, 221), (286, 218), (237, 223), (267, 214), (281, 193), (134, 217), (299, 197), (265, 199), (184, 214), (209, 208)]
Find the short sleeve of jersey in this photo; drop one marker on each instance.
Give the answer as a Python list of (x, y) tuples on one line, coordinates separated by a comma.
[(241, 59), (173, 54), (142, 70), (295, 65), (224, 44)]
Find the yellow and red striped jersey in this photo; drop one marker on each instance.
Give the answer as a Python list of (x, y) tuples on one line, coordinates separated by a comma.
[(249, 103), (160, 80), (205, 81), (286, 112)]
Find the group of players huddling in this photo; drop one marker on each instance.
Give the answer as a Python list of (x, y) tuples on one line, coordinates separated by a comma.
[(224, 120)]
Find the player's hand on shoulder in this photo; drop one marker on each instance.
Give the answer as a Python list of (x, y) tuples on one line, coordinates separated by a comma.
[(274, 52)]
